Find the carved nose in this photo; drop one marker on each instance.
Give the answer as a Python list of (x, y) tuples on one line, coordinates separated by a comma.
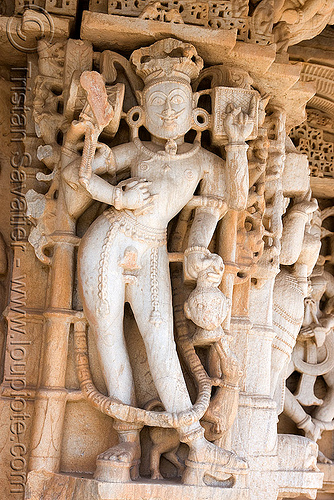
[(168, 111)]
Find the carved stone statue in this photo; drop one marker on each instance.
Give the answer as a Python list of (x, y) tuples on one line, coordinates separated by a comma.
[(297, 21), (123, 256), (291, 287), (292, 21), (313, 357), (177, 234)]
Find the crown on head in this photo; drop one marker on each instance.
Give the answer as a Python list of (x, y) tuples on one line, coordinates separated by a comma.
[(168, 58)]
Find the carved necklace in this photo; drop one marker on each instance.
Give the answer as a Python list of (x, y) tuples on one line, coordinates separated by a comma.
[(169, 155)]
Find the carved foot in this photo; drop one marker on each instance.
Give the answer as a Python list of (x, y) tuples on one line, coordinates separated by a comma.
[(322, 459), (208, 462), (156, 475), (119, 464)]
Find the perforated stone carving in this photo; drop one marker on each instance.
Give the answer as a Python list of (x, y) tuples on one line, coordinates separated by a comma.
[(222, 14), (309, 140)]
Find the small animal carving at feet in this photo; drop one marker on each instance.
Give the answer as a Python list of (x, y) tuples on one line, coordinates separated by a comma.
[(164, 442), (207, 460), (225, 461), (322, 459)]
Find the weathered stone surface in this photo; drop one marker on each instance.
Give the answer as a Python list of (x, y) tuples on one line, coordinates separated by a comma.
[(166, 273), (46, 486)]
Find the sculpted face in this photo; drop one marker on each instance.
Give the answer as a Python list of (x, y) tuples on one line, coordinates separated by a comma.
[(168, 109)]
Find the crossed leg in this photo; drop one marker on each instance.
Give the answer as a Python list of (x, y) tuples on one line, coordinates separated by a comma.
[(150, 294), (107, 324)]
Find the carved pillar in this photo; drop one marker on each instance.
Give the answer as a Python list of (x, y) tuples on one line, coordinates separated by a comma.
[(51, 396)]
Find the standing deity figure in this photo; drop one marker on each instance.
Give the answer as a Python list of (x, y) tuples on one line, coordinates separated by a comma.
[(123, 256), (315, 343)]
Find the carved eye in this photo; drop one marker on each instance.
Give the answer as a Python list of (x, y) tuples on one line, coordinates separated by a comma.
[(158, 101), (177, 99)]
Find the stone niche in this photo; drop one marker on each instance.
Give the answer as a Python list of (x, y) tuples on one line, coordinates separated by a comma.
[(166, 271)]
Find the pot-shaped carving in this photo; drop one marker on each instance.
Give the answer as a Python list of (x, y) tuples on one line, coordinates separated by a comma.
[(207, 307)]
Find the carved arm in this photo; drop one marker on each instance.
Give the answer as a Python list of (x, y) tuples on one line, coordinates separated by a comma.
[(197, 256)]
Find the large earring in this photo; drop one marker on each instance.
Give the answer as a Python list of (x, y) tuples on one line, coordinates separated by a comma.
[(201, 119), (135, 119)]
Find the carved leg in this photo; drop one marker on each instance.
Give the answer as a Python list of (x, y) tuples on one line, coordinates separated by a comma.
[(103, 279), (207, 462), (152, 292), (174, 459), (120, 463), (155, 462)]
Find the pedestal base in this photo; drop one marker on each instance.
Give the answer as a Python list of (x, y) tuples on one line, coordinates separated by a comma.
[(41, 485), (328, 470)]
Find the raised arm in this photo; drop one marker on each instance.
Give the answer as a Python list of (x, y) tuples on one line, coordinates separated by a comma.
[(212, 192), (224, 182)]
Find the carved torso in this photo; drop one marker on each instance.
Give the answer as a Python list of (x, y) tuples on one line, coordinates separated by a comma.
[(174, 178)]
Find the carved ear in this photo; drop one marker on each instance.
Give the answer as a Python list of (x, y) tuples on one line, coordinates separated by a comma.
[(201, 119), (139, 96), (135, 117)]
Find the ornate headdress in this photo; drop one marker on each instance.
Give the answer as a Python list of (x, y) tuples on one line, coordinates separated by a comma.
[(168, 58)]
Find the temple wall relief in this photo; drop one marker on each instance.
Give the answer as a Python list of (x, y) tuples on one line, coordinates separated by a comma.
[(168, 271)]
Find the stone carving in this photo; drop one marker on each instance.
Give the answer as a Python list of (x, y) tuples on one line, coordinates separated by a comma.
[(61, 7), (291, 241), (225, 14), (262, 22), (317, 119), (130, 242), (313, 356), (289, 22), (322, 77), (310, 140), (290, 287), (301, 23), (121, 170), (156, 12), (164, 442)]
